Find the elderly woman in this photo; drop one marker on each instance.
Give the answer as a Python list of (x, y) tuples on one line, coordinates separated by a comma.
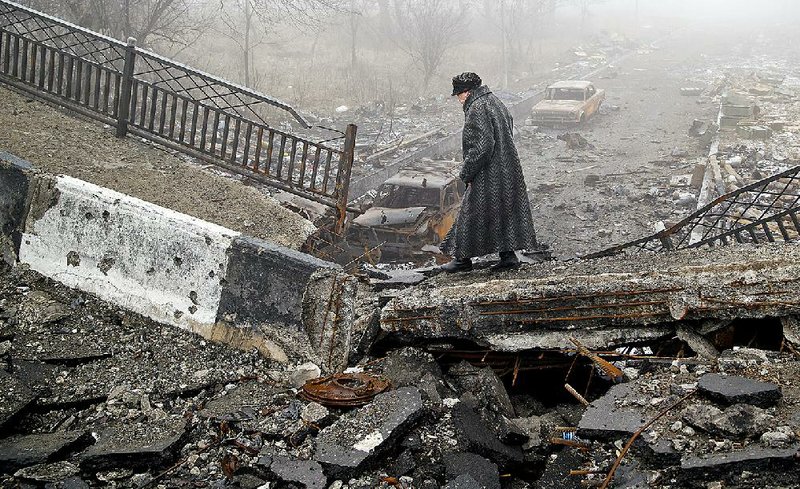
[(495, 215)]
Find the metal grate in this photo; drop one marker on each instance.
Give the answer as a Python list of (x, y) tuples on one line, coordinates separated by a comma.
[(764, 211)]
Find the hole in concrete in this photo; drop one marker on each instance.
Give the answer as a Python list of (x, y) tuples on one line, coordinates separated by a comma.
[(150, 271), (208, 241), (106, 215), (211, 274), (193, 297), (540, 374), (762, 333), (177, 314), (105, 264), (88, 216), (73, 259), (178, 261), (192, 309)]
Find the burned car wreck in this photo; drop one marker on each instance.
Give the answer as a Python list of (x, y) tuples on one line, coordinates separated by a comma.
[(411, 210)]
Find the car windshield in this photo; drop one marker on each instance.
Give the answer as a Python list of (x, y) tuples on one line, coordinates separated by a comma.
[(397, 197), (565, 94)]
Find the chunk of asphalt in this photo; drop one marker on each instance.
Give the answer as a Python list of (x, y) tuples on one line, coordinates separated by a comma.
[(463, 481), (151, 444), (606, 419), (358, 437), (306, 472), (732, 389), (484, 472), (753, 458), (407, 366), (53, 472), (26, 450), (15, 397), (476, 436), (485, 385)]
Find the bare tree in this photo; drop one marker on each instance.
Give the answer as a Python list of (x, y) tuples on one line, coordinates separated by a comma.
[(173, 22), (426, 29), (248, 23), (519, 24)]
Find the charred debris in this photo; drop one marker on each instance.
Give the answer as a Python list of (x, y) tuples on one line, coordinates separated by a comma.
[(684, 373)]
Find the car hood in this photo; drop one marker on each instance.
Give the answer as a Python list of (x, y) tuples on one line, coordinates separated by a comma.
[(384, 216), (558, 105)]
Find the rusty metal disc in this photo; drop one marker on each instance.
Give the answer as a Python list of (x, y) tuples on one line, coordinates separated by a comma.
[(344, 390)]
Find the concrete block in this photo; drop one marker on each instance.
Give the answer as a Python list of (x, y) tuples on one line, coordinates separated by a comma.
[(148, 259), (15, 175)]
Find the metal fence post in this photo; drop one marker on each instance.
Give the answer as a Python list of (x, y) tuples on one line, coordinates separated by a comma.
[(124, 101), (343, 182)]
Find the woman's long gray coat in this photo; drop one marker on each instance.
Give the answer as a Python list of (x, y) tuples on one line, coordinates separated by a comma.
[(495, 214)]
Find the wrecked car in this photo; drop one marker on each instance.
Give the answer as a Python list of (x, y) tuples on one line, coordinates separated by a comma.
[(573, 101), (412, 209)]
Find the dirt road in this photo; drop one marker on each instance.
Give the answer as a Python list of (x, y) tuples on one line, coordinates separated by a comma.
[(588, 199)]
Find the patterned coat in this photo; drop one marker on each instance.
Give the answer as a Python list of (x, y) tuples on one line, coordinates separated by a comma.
[(495, 214)]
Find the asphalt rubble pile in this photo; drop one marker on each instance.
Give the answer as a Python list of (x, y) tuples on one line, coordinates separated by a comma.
[(93, 396)]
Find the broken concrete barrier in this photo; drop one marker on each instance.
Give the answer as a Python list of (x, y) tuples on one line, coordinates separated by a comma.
[(731, 389), (14, 179), (171, 267)]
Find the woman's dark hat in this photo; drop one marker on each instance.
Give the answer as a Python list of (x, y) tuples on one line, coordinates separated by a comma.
[(465, 81)]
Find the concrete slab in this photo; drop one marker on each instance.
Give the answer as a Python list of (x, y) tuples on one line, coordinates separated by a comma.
[(603, 302)]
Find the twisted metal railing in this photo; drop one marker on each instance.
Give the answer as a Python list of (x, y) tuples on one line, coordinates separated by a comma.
[(162, 100), (764, 211)]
